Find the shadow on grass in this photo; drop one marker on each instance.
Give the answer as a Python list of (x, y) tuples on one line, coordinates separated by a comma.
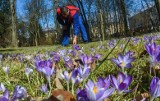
[(8, 50)]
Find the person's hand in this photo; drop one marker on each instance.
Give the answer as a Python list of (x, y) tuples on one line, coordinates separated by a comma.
[(75, 40), (64, 27)]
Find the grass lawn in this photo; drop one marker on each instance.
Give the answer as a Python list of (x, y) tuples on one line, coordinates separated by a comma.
[(18, 59)]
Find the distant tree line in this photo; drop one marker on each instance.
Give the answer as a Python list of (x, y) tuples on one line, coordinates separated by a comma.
[(102, 19)]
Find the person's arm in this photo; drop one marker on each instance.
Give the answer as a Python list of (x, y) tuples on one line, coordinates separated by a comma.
[(75, 27)]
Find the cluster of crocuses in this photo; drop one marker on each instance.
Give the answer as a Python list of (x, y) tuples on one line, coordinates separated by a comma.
[(154, 53), (18, 94), (103, 88)]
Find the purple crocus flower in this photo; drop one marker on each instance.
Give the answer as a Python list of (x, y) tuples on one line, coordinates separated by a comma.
[(48, 71), (44, 64), (104, 83), (154, 88), (74, 77), (68, 62), (148, 39), (122, 82), (154, 52), (43, 88), (123, 61), (81, 95), (72, 52), (46, 67), (20, 58), (56, 58), (76, 47), (66, 75), (98, 56), (83, 73), (86, 59), (135, 40), (130, 53), (5, 96), (19, 93), (40, 65), (112, 43), (97, 93), (2, 87)]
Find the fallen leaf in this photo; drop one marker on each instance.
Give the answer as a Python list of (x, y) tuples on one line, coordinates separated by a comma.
[(61, 95)]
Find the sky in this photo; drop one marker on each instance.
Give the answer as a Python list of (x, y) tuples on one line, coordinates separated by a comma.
[(21, 14), (20, 10)]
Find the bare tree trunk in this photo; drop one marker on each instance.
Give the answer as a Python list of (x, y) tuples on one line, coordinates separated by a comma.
[(157, 3), (55, 6), (14, 30), (123, 9), (101, 24)]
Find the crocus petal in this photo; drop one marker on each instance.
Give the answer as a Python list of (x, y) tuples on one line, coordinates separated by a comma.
[(158, 89), (106, 94), (67, 75), (90, 94), (129, 60), (153, 85), (128, 80), (107, 82), (120, 57), (121, 77), (43, 88), (114, 81), (2, 87), (90, 83), (148, 49), (99, 94), (5, 96), (74, 75), (115, 61), (128, 65), (122, 86), (100, 82), (81, 95)]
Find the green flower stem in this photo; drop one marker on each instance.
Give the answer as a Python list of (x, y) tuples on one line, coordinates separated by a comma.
[(30, 84), (67, 85), (50, 87), (123, 69), (8, 79), (73, 88)]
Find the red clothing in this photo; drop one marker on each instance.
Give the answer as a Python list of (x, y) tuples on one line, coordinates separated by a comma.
[(72, 10)]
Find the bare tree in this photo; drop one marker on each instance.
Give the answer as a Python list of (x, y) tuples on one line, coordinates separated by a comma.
[(124, 14), (35, 10), (157, 3), (13, 17)]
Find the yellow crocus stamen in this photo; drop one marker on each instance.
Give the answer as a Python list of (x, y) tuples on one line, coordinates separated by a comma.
[(95, 89), (120, 81), (122, 64)]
